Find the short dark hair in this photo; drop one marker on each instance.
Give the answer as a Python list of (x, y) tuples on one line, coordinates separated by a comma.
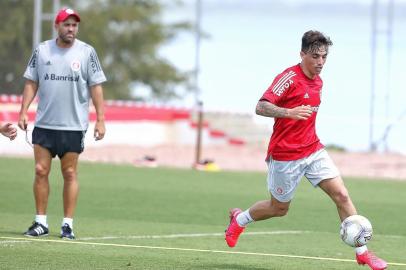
[(312, 40)]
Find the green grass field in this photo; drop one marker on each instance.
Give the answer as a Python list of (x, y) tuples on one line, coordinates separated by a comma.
[(132, 218)]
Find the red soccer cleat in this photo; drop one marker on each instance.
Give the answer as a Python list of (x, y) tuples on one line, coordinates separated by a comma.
[(371, 260), (234, 230)]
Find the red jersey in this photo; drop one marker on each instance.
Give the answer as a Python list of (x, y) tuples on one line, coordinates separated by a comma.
[(294, 139)]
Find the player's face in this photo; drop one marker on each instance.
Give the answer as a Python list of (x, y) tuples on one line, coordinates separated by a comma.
[(67, 31), (313, 61)]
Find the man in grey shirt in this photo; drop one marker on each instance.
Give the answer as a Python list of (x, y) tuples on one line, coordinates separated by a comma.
[(64, 73)]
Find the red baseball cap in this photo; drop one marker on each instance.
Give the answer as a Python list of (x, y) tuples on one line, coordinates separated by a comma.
[(63, 14)]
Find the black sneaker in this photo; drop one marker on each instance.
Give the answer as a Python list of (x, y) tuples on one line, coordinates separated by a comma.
[(36, 230), (67, 232)]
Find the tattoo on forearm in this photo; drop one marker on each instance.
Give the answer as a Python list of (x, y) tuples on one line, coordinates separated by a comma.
[(268, 109)]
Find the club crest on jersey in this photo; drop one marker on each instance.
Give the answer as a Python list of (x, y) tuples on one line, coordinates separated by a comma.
[(284, 82), (75, 65)]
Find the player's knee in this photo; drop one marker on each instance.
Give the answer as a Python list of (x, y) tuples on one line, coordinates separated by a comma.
[(281, 210), (41, 171), (69, 174)]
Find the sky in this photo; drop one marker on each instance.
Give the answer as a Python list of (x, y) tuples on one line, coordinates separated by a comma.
[(248, 43)]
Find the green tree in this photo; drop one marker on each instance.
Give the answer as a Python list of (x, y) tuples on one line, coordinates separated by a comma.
[(126, 34), (16, 43)]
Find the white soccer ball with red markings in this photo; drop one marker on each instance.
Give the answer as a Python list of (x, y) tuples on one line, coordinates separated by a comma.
[(356, 231)]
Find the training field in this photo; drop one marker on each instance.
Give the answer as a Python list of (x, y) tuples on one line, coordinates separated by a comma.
[(132, 218)]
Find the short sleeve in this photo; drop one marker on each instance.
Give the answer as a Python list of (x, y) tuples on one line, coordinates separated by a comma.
[(279, 87), (31, 72), (94, 69)]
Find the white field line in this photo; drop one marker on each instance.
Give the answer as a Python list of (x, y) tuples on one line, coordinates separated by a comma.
[(193, 235), (184, 235), (75, 242)]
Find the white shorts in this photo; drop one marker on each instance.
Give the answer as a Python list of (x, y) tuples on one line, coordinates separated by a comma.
[(284, 176)]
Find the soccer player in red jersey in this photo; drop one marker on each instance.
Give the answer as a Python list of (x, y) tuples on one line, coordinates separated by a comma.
[(294, 149)]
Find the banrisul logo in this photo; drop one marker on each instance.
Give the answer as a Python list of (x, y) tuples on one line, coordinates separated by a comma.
[(54, 77)]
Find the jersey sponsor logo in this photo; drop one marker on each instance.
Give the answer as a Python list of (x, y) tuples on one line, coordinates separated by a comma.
[(313, 108), (54, 77), (284, 82), (75, 65)]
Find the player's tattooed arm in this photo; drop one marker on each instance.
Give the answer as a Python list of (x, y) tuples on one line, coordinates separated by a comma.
[(266, 108)]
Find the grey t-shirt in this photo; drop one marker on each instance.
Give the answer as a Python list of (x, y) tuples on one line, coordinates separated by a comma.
[(64, 76)]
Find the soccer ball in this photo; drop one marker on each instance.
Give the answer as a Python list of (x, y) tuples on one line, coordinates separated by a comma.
[(356, 231)]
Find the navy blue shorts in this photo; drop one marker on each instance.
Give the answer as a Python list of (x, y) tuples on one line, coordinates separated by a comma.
[(59, 142)]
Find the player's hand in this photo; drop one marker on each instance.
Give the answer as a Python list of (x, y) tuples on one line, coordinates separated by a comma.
[(9, 131), (23, 121), (99, 130), (300, 113)]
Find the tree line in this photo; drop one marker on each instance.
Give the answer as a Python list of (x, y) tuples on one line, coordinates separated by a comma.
[(126, 34)]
